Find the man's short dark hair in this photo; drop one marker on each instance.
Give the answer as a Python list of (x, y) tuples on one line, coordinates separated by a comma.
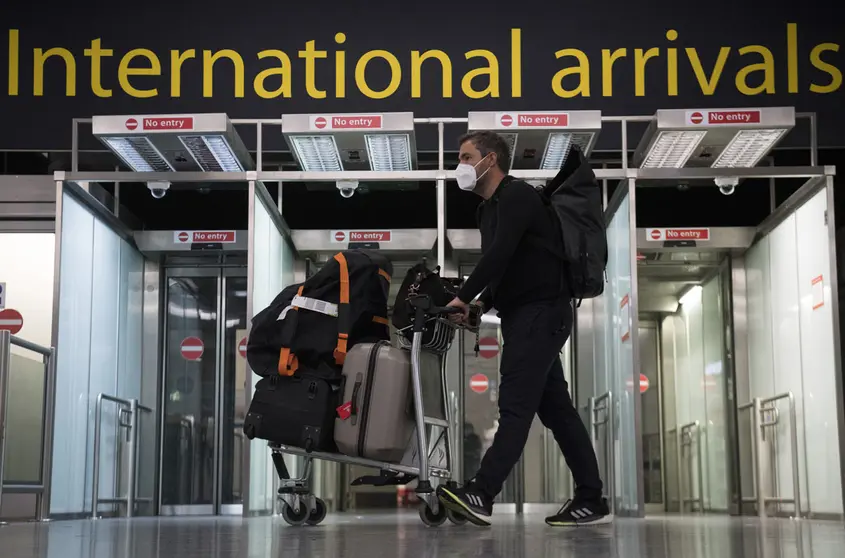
[(487, 142)]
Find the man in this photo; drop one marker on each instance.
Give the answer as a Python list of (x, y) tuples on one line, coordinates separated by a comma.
[(523, 280)]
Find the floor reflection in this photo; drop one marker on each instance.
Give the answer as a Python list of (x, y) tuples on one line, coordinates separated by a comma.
[(401, 535)]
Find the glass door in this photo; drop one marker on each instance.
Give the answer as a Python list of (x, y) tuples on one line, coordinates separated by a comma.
[(204, 379)]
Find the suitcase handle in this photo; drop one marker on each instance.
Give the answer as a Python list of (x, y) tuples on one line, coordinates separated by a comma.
[(355, 390)]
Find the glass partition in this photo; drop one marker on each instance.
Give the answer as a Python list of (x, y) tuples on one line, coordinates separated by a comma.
[(271, 269), (621, 373), (100, 335)]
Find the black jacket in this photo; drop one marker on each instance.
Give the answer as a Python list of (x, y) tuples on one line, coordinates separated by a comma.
[(516, 268)]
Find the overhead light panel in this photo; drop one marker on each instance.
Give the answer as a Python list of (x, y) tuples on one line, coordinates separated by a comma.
[(692, 296), (717, 138), (174, 142), (333, 142), (317, 153), (540, 139), (212, 153), (389, 152), (747, 148), (672, 149), (138, 154)]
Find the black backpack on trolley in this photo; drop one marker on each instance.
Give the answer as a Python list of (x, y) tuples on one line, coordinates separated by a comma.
[(298, 344)]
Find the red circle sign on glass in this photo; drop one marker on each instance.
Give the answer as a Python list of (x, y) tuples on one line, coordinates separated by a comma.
[(340, 236), (643, 383), (479, 383), (242, 347), (655, 234), (507, 120), (696, 118), (131, 124), (192, 348), (488, 347), (320, 122), (11, 320), (183, 236)]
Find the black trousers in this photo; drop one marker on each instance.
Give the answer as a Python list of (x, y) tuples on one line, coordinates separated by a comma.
[(532, 382)]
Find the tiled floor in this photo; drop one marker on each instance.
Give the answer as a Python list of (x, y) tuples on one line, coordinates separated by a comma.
[(402, 535)]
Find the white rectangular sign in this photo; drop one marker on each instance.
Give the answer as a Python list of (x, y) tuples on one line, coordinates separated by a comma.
[(2, 296), (189, 237), (361, 236)]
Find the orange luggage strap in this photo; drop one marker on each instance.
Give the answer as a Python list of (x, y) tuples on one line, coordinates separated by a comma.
[(342, 310), (380, 320), (288, 363), (384, 274)]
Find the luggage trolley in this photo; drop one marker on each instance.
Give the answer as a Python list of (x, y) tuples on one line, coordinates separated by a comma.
[(300, 506)]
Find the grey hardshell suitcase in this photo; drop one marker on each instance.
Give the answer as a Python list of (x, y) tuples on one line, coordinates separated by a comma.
[(375, 419)]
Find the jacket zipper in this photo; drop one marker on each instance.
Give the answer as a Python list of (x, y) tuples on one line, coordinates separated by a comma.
[(368, 388)]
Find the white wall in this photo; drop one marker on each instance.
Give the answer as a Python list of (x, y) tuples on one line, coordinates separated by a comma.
[(26, 266), (791, 348), (98, 351)]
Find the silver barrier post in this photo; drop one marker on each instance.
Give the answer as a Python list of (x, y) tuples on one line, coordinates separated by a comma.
[(796, 477), (759, 446), (42, 509), (95, 481), (133, 456), (5, 366)]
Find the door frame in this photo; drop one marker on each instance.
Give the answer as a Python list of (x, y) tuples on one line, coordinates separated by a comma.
[(222, 272)]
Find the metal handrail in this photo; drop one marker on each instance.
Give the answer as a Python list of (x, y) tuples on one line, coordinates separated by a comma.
[(132, 480), (598, 404), (760, 421), (41, 490), (685, 440)]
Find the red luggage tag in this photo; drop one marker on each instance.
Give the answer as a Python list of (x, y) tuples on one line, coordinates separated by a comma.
[(345, 410)]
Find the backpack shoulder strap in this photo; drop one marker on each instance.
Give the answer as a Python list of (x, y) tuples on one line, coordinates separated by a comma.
[(288, 363), (342, 310)]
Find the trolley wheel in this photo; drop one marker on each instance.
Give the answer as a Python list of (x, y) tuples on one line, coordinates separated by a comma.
[(456, 518), (430, 518), (295, 517), (318, 514)]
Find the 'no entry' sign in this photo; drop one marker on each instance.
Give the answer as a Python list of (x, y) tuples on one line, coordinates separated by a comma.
[(488, 347), (11, 320), (479, 383), (192, 348), (242, 347)]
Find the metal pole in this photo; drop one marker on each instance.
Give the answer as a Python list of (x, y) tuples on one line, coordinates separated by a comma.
[(133, 457), (259, 147), (814, 141), (759, 445), (95, 483), (441, 202), (5, 367), (611, 452), (624, 144), (796, 477), (681, 497), (419, 408), (43, 509), (698, 454)]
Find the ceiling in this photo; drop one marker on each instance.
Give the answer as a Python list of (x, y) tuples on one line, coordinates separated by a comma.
[(664, 276)]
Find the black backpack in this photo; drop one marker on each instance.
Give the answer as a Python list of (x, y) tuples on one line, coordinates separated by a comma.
[(574, 196), (286, 338), (422, 281)]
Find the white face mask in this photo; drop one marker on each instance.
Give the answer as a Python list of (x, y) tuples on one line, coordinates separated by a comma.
[(465, 175)]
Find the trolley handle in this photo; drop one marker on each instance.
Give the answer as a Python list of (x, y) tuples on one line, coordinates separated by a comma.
[(423, 307)]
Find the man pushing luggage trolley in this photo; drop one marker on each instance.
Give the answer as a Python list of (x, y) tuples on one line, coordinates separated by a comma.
[(535, 260)]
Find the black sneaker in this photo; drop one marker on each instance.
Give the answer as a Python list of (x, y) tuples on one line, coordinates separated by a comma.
[(467, 501), (576, 512)]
